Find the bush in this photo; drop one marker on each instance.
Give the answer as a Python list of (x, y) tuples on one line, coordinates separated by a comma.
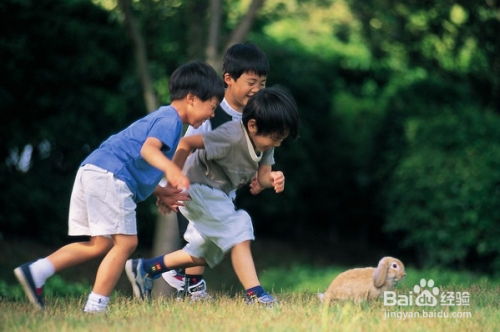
[(443, 194)]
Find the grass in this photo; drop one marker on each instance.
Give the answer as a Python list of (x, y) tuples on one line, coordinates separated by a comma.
[(295, 284), (296, 312)]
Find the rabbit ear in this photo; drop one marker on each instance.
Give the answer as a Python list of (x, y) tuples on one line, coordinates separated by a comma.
[(380, 272)]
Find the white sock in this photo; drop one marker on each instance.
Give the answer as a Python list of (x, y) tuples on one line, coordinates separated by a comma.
[(41, 270), (96, 303)]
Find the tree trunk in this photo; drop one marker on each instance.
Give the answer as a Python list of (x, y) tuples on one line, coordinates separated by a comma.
[(240, 33), (166, 231), (213, 53), (140, 55)]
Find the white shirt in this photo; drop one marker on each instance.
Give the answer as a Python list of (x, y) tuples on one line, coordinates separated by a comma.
[(207, 126)]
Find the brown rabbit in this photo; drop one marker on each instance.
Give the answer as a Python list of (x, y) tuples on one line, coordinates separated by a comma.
[(365, 283)]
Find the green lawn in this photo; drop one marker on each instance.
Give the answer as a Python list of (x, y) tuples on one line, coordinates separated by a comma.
[(295, 283), (296, 312)]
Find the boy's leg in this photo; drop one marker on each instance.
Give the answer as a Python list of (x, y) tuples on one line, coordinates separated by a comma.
[(79, 252), (33, 275), (187, 281), (109, 271), (244, 267)]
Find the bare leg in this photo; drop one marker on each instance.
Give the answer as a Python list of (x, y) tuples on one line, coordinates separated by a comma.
[(79, 252), (113, 263), (180, 258), (243, 265), (195, 270)]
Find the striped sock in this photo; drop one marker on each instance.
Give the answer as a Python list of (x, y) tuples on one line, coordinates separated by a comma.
[(154, 267), (194, 278), (257, 291)]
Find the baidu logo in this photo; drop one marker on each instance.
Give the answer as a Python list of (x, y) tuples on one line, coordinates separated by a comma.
[(426, 294)]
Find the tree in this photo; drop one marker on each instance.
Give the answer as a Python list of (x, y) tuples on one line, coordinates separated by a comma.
[(240, 32)]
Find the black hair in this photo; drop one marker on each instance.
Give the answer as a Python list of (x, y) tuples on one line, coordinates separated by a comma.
[(274, 111), (244, 57), (197, 78)]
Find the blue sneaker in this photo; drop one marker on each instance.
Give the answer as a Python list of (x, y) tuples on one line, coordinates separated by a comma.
[(266, 299), (142, 284), (35, 295)]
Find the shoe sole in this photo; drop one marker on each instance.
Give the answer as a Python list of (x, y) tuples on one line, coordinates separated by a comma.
[(26, 287), (129, 269)]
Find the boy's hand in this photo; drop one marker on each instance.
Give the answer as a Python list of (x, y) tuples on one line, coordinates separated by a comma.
[(178, 180), (278, 181), (255, 186), (168, 198)]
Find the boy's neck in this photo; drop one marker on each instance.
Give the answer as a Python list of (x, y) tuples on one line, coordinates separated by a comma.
[(231, 104), (180, 108)]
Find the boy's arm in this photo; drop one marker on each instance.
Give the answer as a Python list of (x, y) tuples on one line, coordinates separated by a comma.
[(151, 152), (268, 178), (186, 145)]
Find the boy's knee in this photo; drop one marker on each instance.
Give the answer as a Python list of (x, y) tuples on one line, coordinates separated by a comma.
[(126, 242), (101, 244)]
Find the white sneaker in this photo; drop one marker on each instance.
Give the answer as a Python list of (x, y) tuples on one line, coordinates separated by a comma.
[(175, 279), (198, 291)]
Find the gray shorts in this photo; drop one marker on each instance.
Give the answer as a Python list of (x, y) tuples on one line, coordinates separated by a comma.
[(215, 226), (101, 205)]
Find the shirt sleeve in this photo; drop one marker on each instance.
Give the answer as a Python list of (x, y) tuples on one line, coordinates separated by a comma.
[(268, 157), (167, 130)]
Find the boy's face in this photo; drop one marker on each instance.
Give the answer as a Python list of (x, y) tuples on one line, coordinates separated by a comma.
[(263, 142), (200, 111), (240, 90)]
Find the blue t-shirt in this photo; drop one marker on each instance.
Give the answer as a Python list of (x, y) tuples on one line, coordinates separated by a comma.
[(120, 153)]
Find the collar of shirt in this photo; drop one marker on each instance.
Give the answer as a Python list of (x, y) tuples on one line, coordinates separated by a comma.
[(253, 154), (229, 110)]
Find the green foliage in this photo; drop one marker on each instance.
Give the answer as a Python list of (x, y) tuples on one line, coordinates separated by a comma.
[(314, 279), (443, 190), (55, 287), (64, 91)]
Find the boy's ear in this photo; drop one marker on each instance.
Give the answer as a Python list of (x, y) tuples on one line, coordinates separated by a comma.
[(228, 78), (190, 98), (252, 126)]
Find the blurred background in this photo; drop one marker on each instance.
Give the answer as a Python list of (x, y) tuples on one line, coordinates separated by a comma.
[(399, 148)]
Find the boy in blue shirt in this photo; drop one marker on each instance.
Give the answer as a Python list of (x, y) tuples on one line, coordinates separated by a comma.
[(224, 160), (123, 171)]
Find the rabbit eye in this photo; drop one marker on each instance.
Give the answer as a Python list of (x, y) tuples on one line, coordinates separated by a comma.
[(394, 266)]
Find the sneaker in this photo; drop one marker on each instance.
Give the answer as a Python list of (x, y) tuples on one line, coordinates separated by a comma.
[(198, 291), (94, 310), (35, 295), (175, 278), (266, 299), (142, 284)]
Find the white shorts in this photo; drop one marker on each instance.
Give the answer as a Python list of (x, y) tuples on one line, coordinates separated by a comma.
[(100, 204), (215, 226)]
